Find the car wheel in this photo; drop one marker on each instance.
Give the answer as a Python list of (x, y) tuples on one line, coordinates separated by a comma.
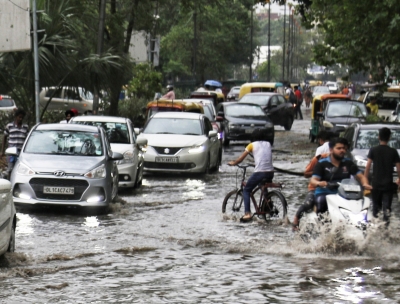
[(114, 186), (218, 162), (225, 141), (11, 244), (207, 168), (288, 124)]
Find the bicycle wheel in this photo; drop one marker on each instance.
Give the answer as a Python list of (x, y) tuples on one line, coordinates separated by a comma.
[(274, 205), (233, 205)]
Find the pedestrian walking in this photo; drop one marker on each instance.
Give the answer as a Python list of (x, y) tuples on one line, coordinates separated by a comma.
[(299, 99), (383, 158)]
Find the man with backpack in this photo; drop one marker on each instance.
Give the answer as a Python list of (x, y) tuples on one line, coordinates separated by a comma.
[(299, 101)]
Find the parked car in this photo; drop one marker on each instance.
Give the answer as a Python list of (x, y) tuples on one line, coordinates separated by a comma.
[(65, 98), (277, 107), (363, 136), (181, 142), (339, 114), (233, 94), (239, 119), (7, 104), (387, 103), (320, 90), (8, 219), (122, 137), (65, 164)]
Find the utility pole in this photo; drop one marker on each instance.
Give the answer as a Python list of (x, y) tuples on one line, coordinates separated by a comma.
[(269, 41), (284, 43), (289, 49), (194, 45), (35, 59), (100, 38), (251, 45)]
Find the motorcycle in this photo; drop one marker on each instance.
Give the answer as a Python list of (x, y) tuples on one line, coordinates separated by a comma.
[(348, 209)]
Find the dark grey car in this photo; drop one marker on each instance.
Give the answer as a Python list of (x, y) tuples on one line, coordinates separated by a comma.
[(65, 164), (239, 120)]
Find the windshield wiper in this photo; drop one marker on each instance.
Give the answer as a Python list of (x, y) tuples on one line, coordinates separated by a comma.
[(190, 134)]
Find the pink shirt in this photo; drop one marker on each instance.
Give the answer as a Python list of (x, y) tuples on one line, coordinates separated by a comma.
[(169, 95)]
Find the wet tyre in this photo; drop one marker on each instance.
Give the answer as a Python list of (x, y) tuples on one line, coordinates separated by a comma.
[(114, 186), (11, 244), (288, 124), (275, 206), (233, 205)]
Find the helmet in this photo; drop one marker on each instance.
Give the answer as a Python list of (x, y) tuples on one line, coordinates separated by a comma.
[(170, 87)]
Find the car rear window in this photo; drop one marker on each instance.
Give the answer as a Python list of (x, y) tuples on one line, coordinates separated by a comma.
[(6, 102), (61, 142)]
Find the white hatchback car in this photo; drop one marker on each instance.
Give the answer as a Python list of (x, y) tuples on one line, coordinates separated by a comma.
[(7, 104), (8, 219), (181, 142), (122, 138)]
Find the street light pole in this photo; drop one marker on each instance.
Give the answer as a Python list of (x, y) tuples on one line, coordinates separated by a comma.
[(269, 41), (35, 59), (251, 45), (284, 43)]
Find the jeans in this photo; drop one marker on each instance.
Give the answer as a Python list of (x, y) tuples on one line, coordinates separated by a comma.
[(382, 200), (298, 113), (322, 205), (255, 179)]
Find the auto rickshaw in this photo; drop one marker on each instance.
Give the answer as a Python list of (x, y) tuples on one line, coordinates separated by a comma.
[(318, 105), (172, 106), (250, 87), (217, 97)]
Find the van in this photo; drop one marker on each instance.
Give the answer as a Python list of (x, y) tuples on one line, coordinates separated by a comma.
[(172, 106), (64, 98), (251, 87)]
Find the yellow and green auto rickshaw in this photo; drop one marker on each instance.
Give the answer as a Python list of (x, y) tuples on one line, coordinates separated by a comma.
[(318, 105), (250, 87)]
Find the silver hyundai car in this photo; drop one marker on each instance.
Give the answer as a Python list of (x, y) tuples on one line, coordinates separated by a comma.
[(65, 164)]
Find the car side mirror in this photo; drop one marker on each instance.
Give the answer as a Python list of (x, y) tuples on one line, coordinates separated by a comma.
[(141, 142), (116, 156), (12, 151), (137, 131), (212, 133)]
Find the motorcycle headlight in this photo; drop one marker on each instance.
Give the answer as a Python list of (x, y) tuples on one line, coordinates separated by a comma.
[(24, 170), (197, 149), (360, 162), (99, 172), (128, 158)]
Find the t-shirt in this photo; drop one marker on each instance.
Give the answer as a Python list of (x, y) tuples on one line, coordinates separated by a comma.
[(262, 154), (383, 158), (322, 149), (323, 170), (16, 136), (374, 108), (298, 95)]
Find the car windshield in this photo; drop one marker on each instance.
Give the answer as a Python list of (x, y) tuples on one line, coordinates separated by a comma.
[(240, 110), (117, 132), (6, 102), (321, 90), (166, 125), (261, 100), (64, 143), (369, 138), (346, 109)]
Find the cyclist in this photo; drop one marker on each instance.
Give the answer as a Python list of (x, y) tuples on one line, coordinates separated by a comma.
[(261, 150)]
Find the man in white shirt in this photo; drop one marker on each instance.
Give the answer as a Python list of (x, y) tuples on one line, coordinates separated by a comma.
[(323, 138)]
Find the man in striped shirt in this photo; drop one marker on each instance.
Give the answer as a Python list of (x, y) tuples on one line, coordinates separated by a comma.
[(16, 133)]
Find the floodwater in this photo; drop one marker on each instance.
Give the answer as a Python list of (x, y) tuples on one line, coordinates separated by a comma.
[(168, 242)]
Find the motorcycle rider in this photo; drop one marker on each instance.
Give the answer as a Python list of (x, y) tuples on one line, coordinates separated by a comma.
[(170, 94), (332, 168)]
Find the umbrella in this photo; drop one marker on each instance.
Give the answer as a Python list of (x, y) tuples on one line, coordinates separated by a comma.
[(213, 83)]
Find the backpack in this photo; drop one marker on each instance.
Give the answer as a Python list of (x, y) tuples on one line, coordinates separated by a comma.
[(292, 97)]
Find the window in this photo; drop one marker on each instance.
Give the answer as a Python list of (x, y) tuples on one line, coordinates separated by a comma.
[(56, 93)]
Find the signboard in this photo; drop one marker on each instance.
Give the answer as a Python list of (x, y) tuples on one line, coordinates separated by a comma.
[(15, 26)]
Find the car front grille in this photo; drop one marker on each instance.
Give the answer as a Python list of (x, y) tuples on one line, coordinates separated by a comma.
[(173, 166), (171, 151), (79, 185)]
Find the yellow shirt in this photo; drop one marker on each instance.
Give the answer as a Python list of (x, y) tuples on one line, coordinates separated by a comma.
[(374, 108)]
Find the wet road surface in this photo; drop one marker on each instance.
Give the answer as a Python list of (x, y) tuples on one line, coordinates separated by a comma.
[(168, 242)]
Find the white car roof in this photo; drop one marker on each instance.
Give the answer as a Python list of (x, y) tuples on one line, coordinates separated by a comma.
[(187, 115), (100, 118)]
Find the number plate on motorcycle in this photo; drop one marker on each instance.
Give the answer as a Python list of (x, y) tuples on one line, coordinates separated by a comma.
[(351, 188)]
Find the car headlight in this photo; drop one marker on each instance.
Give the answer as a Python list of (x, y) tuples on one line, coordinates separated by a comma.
[(232, 126), (99, 172), (197, 149), (24, 170), (360, 161), (128, 158)]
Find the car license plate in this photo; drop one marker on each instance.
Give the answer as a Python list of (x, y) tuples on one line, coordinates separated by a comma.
[(249, 130), (58, 190), (166, 159)]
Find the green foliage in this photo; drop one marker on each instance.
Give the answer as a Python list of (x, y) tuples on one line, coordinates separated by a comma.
[(145, 82)]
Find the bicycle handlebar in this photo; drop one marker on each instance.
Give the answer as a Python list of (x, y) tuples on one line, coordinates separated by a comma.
[(245, 166)]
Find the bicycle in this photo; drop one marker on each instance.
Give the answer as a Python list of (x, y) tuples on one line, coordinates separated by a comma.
[(271, 205)]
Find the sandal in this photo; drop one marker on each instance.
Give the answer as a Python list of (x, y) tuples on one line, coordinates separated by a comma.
[(246, 218)]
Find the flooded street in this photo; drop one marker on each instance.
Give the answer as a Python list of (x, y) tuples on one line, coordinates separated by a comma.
[(168, 242)]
